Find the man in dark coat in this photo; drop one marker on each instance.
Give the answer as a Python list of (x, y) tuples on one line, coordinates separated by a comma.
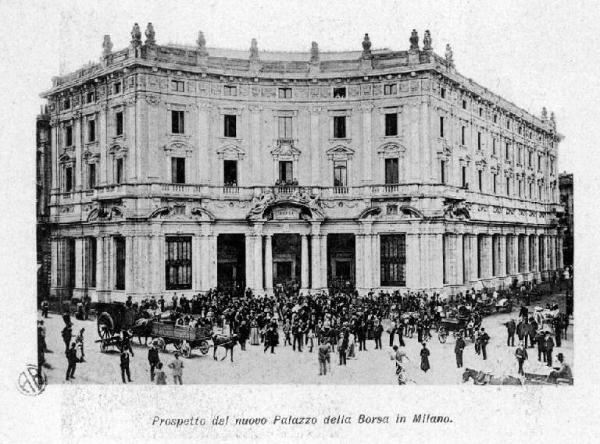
[(521, 354), (297, 334), (342, 348), (540, 340), (558, 330), (483, 341), (67, 334), (244, 334), (549, 346), (125, 366), (377, 332), (458, 351), (511, 328), (72, 360), (153, 360), (270, 339)]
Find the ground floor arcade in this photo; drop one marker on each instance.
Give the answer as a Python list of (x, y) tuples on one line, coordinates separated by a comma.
[(112, 262)]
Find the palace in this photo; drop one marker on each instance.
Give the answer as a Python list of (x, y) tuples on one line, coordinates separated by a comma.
[(181, 168)]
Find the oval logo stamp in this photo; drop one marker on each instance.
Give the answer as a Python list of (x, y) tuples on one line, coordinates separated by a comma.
[(31, 382)]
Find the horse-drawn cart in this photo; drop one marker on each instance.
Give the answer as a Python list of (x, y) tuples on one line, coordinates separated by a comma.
[(450, 325), (112, 319), (183, 337)]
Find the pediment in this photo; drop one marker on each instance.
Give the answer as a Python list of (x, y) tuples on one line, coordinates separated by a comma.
[(231, 152), (340, 152), (391, 149)]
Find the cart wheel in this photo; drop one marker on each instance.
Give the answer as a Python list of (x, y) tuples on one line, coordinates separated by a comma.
[(186, 349), (204, 347)]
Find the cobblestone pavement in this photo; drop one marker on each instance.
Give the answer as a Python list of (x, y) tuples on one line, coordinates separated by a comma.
[(288, 367)]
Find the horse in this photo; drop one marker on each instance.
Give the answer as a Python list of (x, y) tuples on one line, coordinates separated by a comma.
[(482, 378), (142, 327), (227, 342)]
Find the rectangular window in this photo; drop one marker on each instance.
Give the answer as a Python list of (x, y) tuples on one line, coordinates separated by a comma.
[(230, 91), (119, 170), (117, 88), (508, 186), (539, 162), (443, 93), (495, 179), (69, 135), (463, 131), (285, 127), (286, 172), (391, 124), (480, 112), (177, 169), (495, 118), (339, 93), (520, 188), (91, 175), (480, 180), (90, 263), (178, 263), (443, 171), (530, 190), (120, 270), (507, 151), (441, 126), (285, 93), (464, 104), (177, 122), (390, 90), (464, 177), (68, 179), (478, 140), (229, 125), (507, 124), (67, 103), (91, 130), (539, 192), (393, 260), (119, 123), (339, 127), (90, 97), (530, 160), (178, 85), (391, 171), (340, 177), (230, 173), (494, 146)]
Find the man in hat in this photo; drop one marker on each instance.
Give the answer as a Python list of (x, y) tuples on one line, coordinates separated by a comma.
[(323, 356), (540, 340), (511, 328), (125, 366), (153, 360), (72, 362), (483, 341), (45, 308), (459, 346), (521, 354), (176, 365), (549, 346), (67, 334)]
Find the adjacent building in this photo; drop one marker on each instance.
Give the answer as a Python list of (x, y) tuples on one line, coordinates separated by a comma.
[(565, 184), (179, 169)]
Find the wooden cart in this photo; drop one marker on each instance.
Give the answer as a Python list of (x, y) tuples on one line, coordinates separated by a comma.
[(183, 337)]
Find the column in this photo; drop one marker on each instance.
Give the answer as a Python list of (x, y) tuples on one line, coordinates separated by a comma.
[(502, 266), (129, 264), (249, 260), (211, 253), (316, 261), (559, 253), (526, 254), (458, 252), (269, 264), (474, 256), (413, 262), (258, 267), (436, 260), (304, 262), (553, 252), (368, 260), (79, 262), (197, 263), (324, 261), (360, 262), (54, 262), (376, 258), (486, 257), (536, 254)]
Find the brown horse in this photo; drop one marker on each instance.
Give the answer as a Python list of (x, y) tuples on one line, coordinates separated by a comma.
[(482, 378), (227, 342)]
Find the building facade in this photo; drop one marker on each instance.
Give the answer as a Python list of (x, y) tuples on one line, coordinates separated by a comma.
[(565, 185), (177, 169)]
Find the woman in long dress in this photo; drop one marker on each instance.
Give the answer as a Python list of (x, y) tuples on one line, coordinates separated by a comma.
[(254, 332), (425, 358)]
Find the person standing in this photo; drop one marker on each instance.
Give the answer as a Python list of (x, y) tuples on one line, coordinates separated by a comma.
[(361, 333), (511, 328), (244, 333), (323, 355), (286, 333), (540, 340), (310, 340), (45, 308), (343, 347), (392, 333), (125, 366), (67, 334), (79, 343), (126, 342), (72, 362), (477, 335), (557, 322), (549, 347), (297, 333), (484, 338), (458, 350), (425, 358), (521, 354), (270, 339), (377, 332), (176, 366), (153, 360), (161, 376)]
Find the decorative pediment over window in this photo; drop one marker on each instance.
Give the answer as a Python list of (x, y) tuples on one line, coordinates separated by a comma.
[(480, 164), (117, 149), (66, 158), (465, 160), (391, 149), (90, 157), (285, 150), (340, 152), (231, 152), (445, 150), (178, 147)]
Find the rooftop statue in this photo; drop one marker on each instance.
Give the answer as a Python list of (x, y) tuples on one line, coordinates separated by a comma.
[(414, 40), (253, 49), (136, 34), (314, 52), (449, 55), (427, 41), (106, 46), (201, 41), (150, 35), (544, 113), (366, 44)]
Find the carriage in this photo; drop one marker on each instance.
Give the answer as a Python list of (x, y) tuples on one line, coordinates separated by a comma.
[(504, 305), (537, 379), (183, 337), (451, 325), (112, 319)]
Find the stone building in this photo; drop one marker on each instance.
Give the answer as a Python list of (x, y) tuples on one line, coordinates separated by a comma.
[(565, 185), (177, 169), (43, 185)]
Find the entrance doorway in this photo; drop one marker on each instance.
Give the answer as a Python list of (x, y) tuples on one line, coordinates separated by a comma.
[(286, 261), (341, 261), (231, 262)]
